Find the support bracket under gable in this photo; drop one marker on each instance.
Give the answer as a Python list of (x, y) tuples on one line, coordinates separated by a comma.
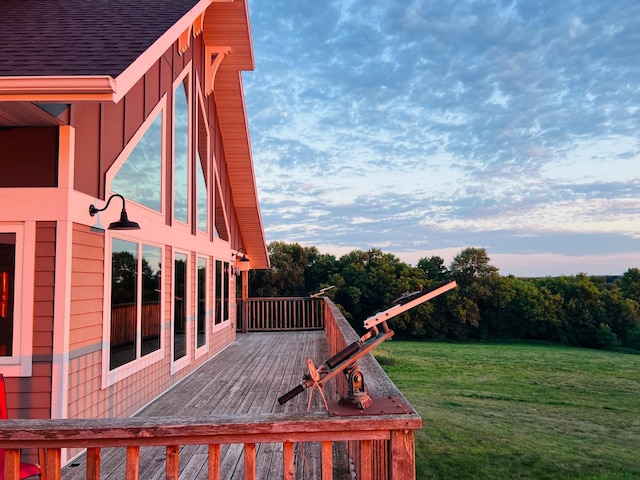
[(213, 59), (184, 41)]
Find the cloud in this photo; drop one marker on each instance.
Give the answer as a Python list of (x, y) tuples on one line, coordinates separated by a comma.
[(479, 121)]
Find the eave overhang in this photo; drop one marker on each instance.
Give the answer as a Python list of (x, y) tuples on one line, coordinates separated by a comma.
[(225, 27)]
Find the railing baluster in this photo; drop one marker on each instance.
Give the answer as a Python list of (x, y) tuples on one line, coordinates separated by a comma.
[(173, 462), (327, 460), (288, 470), (12, 464), (133, 455), (366, 459), (250, 461), (214, 462), (53, 464), (93, 463)]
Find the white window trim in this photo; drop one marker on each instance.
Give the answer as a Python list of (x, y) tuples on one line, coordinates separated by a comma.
[(159, 109), (225, 321), (110, 377), (20, 364), (200, 110), (202, 350), (186, 72), (177, 365)]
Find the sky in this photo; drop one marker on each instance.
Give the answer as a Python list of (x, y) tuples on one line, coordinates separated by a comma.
[(425, 127)]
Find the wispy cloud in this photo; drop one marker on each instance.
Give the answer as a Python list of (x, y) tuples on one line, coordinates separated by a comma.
[(430, 125)]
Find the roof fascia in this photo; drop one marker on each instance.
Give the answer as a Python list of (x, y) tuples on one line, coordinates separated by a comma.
[(58, 88)]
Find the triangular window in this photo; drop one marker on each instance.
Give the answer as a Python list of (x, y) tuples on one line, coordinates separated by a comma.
[(139, 178)]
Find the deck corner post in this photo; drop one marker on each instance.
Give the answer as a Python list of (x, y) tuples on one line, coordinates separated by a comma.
[(402, 458)]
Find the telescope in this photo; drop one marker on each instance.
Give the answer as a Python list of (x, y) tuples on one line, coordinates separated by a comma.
[(346, 360)]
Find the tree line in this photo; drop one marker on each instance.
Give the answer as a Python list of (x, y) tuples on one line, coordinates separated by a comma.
[(579, 310)]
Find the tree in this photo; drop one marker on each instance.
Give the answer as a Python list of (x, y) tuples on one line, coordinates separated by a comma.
[(434, 268)]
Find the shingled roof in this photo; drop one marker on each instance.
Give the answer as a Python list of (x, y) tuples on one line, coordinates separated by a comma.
[(81, 37)]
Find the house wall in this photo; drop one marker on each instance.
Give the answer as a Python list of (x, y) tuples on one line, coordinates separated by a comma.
[(28, 157), (30, 397), (102, 132)]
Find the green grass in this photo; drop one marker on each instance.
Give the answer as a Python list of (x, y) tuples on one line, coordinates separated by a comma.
[(520, 411)]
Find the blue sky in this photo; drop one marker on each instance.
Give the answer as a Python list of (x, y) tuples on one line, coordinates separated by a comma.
[(424, 127)]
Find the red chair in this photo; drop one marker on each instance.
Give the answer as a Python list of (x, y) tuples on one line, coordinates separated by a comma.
[(27, 470)]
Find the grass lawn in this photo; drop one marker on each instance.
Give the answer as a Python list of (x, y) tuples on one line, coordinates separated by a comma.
[(496, 411)]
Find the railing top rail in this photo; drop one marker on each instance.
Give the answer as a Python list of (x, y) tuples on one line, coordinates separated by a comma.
[(214, 429), (258, 299)]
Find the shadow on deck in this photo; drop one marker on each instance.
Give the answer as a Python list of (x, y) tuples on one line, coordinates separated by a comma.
[(266, 365)]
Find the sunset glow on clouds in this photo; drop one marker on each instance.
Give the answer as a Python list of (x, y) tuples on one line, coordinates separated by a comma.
[(424, 127)]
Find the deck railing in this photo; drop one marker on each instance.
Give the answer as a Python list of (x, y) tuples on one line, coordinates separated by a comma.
[(280, 314), (381, 446)]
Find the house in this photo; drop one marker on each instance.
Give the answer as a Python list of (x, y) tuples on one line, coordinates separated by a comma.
[(121, 104)]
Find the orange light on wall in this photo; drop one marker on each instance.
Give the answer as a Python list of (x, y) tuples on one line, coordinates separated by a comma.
[(4, 294)]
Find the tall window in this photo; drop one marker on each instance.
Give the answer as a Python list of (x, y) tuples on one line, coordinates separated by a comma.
[(151, 306), (222, 291), (202, 169), (181, 152), (7, 292), (139, 178), (135, 305), (202, 302), (124, 268), (180, 306)]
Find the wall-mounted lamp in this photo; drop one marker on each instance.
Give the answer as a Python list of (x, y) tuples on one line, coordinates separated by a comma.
[(124, 223), (243, 257)]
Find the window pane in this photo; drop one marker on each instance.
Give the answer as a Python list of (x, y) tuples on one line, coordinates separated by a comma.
[(180, 306), (7, 289), (140, 176), (151, 285), (181, 156), (219, 281), (202, 301), (202, 198), (124, 267), (225, 286)]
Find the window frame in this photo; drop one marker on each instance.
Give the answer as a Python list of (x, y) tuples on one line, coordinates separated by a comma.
[(204, 348), (20, 363), (182, 362), (159, 109), (178, 83), (201, 113), (110, 377)]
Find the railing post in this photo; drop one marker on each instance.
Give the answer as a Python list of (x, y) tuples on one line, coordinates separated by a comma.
[(288, 470), (173, 462), (250, 461), (93, 464), (402, 459), (133, 456), (12, 464), (52, 463), (214, 462), (366, 460), (327, 460)]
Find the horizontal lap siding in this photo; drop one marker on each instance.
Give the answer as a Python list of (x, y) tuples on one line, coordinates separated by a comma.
[(86, 317), (30, 397)]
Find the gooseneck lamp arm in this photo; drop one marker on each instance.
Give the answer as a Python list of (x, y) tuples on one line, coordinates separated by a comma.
[(124, 223)]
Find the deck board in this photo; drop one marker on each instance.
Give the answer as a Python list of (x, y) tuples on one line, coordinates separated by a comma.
[(245, 378)]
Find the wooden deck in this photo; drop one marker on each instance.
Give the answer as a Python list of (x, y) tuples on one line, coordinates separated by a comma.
[(246, 378)]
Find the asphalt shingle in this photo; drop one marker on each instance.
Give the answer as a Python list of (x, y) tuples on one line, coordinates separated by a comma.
[(81, 37)]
